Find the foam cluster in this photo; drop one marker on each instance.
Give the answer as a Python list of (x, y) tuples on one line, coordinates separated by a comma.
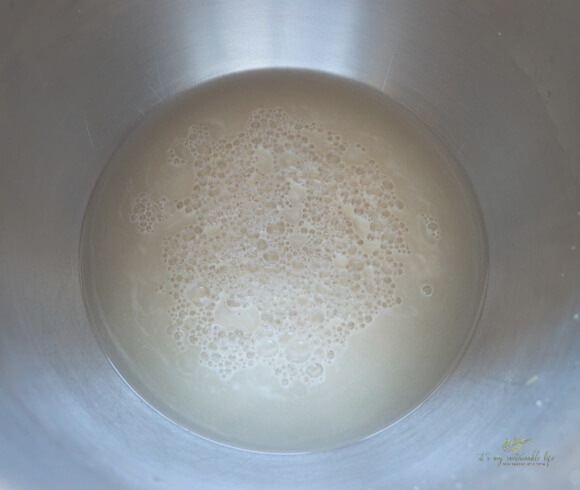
[(146, 210), (430, 226), (293, 241)]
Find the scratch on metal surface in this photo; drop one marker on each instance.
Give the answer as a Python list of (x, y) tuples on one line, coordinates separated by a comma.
[(285, 43), (159, 77), (88, 132), (460, 150), (386, 80), (154, 91), (141, 113)]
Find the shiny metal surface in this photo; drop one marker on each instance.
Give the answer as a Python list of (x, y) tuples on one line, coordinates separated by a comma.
[(498, 81)]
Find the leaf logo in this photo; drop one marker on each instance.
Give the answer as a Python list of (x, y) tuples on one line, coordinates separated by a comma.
[(514, 444)]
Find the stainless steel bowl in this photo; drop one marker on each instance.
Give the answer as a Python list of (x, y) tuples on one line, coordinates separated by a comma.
[(499, 82)]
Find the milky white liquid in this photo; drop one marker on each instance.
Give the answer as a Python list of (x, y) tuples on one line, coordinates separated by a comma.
[(283, 262)]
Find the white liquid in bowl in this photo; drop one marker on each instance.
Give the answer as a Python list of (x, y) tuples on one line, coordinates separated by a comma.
[(283, 261)]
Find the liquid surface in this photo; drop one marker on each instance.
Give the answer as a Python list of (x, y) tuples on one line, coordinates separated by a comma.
[(283, 262)]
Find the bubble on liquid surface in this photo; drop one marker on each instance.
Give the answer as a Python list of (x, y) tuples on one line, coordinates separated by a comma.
[(147, 210), (430, 226)]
